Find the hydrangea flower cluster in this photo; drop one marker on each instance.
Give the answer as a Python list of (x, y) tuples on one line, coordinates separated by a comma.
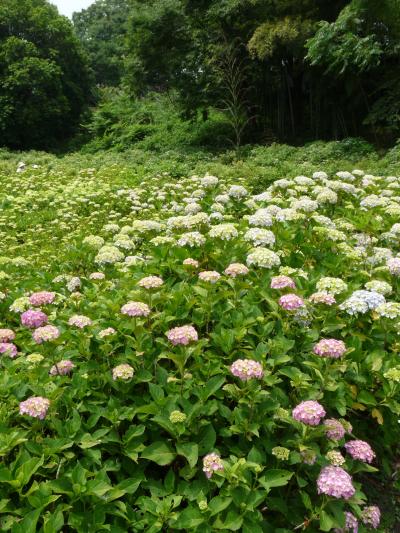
[(151, 282), (45, 334), (209, 276), (182, 335), (135, 309), (371, 516), (236, 269), (246, 369), (282, 282), (361, 450), (334, 429), (7, 335), (42, 298), (309, 412), (330, 348), (212, 463), (79, 321), (123, 372), (362, 301), (62, 368), (322, 297), (264, 258), (36, 407), (33, 319), (291, 302), (9, 349), (336, 482)]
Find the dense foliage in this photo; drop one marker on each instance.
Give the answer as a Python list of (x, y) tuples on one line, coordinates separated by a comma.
[(101, 29), (111, 419), (44, 82), (291, 69)]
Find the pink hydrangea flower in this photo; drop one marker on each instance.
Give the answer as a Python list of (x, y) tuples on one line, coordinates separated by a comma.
[(322, 298), (80, 321), (33, 318), (330, 348), (210, 276), (236, 269), (124, 372), (62, 368), (282, 282), (371, 516), (336, 482), (151, 282), (191, 262), (309, 412), (135, 309), (182, 335), (290, 302), (212, 463), (8, 348), (246, 369), (46, 333), (42, 298), (361, 450), (6, 335), (36, 406), (335, 430), (106, 332)]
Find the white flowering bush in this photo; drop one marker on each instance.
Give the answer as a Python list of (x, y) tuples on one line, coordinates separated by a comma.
[(189, 354)]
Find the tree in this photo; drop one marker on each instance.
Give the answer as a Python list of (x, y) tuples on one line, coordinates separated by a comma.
[(44, 77), (101, 29)]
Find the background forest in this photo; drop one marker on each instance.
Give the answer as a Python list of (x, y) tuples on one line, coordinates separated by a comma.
[(216, 73)]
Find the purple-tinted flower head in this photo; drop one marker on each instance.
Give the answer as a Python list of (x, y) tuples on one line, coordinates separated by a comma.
[(334, 429), (9, 349), (36, 406), (33, 318), (236, 269), (79, 321), (336, 482), (330, 348), (212, 463), (42, 298), (246, 369), (371, 516), (290, 302), (182, 335), (6, 335), (282, 282), (62, 368), (309, 412), (46, 333), (135, 309), (361, 450)]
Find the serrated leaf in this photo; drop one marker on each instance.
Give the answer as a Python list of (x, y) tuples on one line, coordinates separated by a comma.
[(159, 452)]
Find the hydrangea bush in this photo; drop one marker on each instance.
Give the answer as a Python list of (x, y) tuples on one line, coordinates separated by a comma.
[(165, 369)]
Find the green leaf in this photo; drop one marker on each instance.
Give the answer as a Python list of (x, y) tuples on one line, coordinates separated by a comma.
[(190, 451), (218, 504), (207, 438), (366, 398), (212, 385), (190, 518), (28, 523), (159, 452), (325, 521), (275, 478), (54, 523)]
